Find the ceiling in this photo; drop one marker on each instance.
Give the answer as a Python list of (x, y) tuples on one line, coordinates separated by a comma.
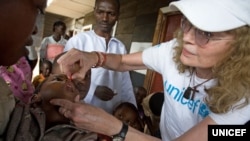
[(70, 8)]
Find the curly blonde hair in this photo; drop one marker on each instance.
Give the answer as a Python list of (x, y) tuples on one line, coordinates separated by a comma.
[(232, 72)]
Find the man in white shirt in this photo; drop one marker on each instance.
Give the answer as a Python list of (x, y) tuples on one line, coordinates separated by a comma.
[(108, 88)]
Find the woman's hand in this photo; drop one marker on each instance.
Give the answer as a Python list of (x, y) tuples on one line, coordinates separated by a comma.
[(88, 117), (76, 63)]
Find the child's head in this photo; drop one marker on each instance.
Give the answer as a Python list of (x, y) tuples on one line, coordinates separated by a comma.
[(82, 85), (55, 86), (128, 113), (45, 67), (140, 93)]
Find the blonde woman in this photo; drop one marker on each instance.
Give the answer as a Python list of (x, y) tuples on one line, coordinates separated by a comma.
[(205, 72)]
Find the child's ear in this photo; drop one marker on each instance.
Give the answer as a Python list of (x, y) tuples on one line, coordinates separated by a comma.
[(35, 100)]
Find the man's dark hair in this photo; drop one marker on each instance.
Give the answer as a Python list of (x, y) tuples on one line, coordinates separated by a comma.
[(117, 2), (58, 23)]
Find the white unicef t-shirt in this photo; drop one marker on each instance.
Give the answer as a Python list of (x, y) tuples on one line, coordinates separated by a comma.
[(180, 114)]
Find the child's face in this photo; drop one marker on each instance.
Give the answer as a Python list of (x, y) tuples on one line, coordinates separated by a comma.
[(46, 70), (56, 86), (129, 116)]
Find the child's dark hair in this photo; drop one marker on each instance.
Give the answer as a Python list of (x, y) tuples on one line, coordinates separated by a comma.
[(58, 23), (126, 104)]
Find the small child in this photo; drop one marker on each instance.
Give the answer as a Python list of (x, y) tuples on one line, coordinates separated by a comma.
[(45, 68), (128, 113), (41, 120)]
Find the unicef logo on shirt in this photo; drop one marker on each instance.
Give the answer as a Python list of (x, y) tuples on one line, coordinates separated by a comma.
[(195, 106)]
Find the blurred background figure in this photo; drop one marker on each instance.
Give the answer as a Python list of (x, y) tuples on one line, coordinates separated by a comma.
[(32, 56), (54, 44), (45, 68)]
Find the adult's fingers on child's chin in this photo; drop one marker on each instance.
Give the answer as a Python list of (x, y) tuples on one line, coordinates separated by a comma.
[(59, 102)]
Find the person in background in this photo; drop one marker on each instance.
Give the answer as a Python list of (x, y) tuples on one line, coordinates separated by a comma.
[(54, 44), (32, 53), (12, 41), (45, 68), (108, 87), (140, 93), (205, 71)]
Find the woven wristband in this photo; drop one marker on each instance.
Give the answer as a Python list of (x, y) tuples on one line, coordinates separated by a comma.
[(98, 62)]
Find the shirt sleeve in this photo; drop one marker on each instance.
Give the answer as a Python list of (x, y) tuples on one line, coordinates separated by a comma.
[(75, 42), (43, 47), (155, 57)]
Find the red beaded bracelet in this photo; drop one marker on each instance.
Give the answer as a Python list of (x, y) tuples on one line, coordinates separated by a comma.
[(98, 61)]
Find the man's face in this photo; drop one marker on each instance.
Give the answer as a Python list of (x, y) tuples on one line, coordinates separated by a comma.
[(17, 22), (106, 14)]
